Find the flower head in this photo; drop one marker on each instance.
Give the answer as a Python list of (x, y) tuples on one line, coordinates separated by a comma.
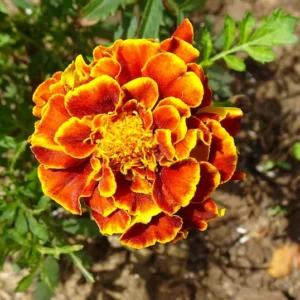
[(133, 134)]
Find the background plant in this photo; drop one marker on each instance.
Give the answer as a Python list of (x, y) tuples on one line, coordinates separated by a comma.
[(36, 41)]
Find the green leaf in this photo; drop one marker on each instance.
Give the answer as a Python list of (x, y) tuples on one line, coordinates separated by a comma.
[(78, 263), (152, 17), (20, 148), (37, 229), (43, 204), (82, 226), (26, 281), (284, 165), (261, 54), (57, 251), (235, 63), (42, 291), (21, 223), (51, 272), (296, 150), (131, 31), (25, 4), (246, 26), (206, 43), (97, 10), (229, 32), (9, 213)]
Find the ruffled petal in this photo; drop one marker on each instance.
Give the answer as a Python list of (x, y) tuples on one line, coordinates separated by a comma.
[(107, 183), (179, 133), (209, 181), (223, 153), (117, 222), (73, 136), (100, 96), (66, 186), (166, 117), (101, 51), (162, 229), (182, 108), (185, 31), (157, 65), (230, 117), (143, 89), (175, 186), (185, 146), (106, 66), (164, 141), (141, 185), (102, 205), (132, 56), (188, 88), (180, 48)]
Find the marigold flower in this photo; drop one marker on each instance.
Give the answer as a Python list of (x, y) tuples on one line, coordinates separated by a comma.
[(134, 135)]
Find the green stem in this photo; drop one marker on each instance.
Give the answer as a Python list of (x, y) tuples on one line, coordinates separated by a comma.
[(78, 263)]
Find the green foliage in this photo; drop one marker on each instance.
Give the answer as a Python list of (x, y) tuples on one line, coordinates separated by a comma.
[(257, 42), (296, 150)]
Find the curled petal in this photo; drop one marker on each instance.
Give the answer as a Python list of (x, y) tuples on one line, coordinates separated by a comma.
[(230, 117), (73, 136), (157, 65), (223, 153), (132, 56), (238, 176), (81, 73), (143, 89), (101, 51), (181, 48), (188, 88), (106, 66), (135, 203), (179, 133), (102, 205), (162, 229), (66, 186), (175, 186), (146, 116), (185, 31), (100, 96), (182, 108), (180, 236), (209, 181), (164, 140), (117, 222), (185, 146), (107, 183), (141, 185), (166, 117)]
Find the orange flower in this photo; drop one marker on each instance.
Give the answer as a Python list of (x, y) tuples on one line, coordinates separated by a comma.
[(119, 134)]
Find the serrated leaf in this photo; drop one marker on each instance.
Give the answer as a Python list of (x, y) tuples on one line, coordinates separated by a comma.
[(51, 272), (151, 20), (235, 63), (97, 10), (206, 43), (37, 229), (296, 150), (246, 26), (261, 54), (26, 281), (229, 32)]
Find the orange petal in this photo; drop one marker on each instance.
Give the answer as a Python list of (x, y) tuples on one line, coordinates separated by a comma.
[(143, 89), (66, 186), (106, 66), (179, 133), (117, 222), (183, 108), (175, 186), (107, 183), (73, 135), (223, 153), (185, 31), (100, 96), (157, 65), (132, 56), (101, 51), (185, 146), (162, 229), (164, 140), (238, 176), (141, 185), (146, 116), (188, 88), (102, 205), (181, 48), (197, 215), (207, 96), (204, 132), (166, 117), (180, 236), (134, 203), (230, 117), (81, 73), (209, 181)]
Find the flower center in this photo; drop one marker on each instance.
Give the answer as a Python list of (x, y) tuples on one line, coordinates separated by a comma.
[(127, 144)]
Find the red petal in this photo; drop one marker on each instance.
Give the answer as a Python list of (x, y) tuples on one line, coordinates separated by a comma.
[(107, 183), (100, 96), (185, 31), (73, 135), (185, 146), (162, 229), (106, 66), (66, 186), (166, 117), (116, 222), (164, 140), (175, 185), (183, 108)]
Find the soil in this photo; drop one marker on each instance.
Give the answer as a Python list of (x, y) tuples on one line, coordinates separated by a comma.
[(230, 259)]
